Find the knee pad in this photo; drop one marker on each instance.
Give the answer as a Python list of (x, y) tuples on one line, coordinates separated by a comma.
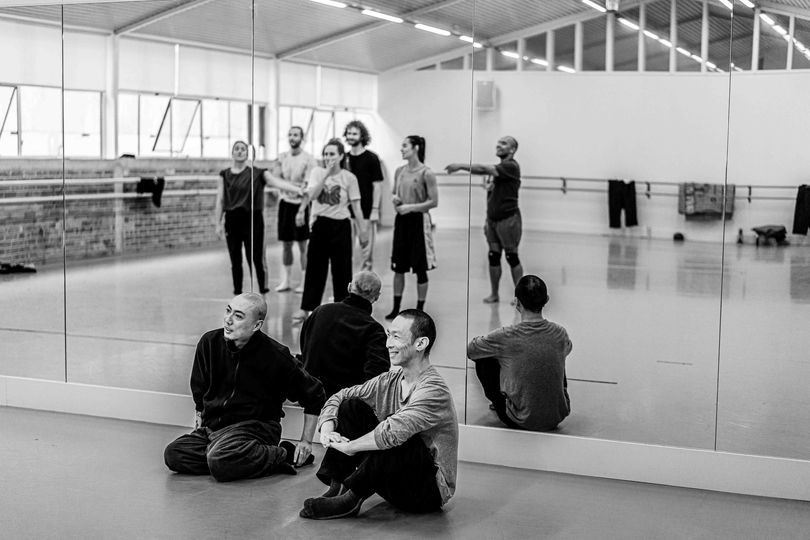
[(512, 259), (421, 277), (495, 258)]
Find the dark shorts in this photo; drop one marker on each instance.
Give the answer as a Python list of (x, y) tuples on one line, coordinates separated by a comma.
[(408, 251), (287, 230), (505, 232)]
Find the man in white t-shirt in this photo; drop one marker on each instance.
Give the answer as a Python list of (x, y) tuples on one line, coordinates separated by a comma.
[(293, 166)]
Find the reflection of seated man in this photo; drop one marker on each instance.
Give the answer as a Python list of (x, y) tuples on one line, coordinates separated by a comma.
[(395, 435), (239, 382), (341, 343), (522, 367)]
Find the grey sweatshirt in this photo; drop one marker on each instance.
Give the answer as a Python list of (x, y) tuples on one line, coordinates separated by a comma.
[(427, 410), (532, 359)]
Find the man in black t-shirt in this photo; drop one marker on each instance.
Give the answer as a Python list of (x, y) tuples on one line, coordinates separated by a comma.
[(504, 226), (365, 165)]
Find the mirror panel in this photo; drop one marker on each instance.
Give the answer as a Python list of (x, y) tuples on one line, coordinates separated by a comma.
[(32, 196), (763, 349), (597, 146)]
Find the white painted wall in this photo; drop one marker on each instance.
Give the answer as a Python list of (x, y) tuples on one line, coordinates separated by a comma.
[(651, 126)]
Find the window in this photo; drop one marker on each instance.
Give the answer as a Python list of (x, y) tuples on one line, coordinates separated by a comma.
[(8, 121)]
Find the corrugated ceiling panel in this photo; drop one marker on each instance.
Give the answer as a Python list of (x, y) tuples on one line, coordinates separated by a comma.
[(383, 49)]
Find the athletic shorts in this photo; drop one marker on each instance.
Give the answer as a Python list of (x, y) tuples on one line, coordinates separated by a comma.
[(505, 232), (413, 243), (287, 230)]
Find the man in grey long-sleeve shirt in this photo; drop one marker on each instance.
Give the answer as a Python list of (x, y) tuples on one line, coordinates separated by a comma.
[(522, 367), (395, 435)]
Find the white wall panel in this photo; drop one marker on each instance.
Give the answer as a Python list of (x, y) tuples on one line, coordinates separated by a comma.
[(210, 73), (85, 61), (341, 88), (30, 54), (146, 66), (298, 84)]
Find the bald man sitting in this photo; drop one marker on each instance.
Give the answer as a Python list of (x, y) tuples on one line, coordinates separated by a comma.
[(239, 381), (341, 343)]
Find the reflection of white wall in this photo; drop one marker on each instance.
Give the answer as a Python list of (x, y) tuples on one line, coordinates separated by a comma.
[(30, 54), (651, 126)]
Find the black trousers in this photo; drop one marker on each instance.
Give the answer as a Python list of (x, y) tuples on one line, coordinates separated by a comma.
[(622, 196), (246, 449), (330, 244), (238, 234), (405, 475), (488, 371), (801, 217)]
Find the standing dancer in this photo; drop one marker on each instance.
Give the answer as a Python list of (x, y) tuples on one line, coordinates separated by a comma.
[(333, 191), (293, 166), (415, 193), (240, 201)]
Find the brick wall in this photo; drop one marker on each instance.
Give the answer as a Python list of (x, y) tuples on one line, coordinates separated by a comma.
[(33, 232)]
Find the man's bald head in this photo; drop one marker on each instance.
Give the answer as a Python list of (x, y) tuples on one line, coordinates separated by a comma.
[(512, 142), (256, 303), (366, 284)]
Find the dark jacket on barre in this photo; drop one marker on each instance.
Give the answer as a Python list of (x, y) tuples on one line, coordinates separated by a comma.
[(342, 344), (230, 385)]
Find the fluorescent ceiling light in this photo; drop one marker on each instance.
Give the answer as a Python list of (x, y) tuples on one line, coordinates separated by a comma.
[(779, 30), (330, 3), (727, 3), (651, 35), (747, 3), (539, 61), (696, 58), (594, 5), (468, 39), (510, 54), (665, 43), (628, 23), (683, 51), (383, 16), (711, 65), (431, 29), (767, 19), (566, 69)]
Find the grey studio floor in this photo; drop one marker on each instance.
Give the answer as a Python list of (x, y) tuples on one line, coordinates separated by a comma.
[(67, 476)]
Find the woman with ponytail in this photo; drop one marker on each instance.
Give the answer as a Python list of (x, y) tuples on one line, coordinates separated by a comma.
[(414, 194)]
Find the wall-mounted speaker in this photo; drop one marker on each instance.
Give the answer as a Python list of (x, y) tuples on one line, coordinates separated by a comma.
[(485, 95)]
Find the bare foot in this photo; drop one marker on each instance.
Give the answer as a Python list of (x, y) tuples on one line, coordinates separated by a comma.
[(492, 299), (283, 287), (300, 316)]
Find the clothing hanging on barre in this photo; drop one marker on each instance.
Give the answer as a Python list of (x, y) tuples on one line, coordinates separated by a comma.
[(622, 196), (703, 202), (801, 216)]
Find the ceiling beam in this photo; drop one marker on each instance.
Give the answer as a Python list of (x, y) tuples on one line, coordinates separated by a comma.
[(780, 9), (360, 29), (159, 16)]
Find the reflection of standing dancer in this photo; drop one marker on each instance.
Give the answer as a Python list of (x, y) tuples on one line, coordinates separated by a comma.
[(293, 166), (365, 165), (240, 200), (415, 193), (332, 191), (503, 227)]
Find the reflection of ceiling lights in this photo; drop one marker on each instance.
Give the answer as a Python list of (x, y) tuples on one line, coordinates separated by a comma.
[(566, 69), (431, 29), (330, 3), (594, 5), (510, 54), (468, 39), (383, 16), (747, 3)]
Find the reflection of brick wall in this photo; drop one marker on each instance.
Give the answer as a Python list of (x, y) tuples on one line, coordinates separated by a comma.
[(32, 233)]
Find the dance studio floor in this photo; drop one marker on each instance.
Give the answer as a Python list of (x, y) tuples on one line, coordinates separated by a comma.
[(67, 477), (643, 315)]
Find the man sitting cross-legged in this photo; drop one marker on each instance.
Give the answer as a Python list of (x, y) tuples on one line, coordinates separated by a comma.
[(239, 382), (395, 435)]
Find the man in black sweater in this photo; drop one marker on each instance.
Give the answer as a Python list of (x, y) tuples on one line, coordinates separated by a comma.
[(239, 381), (341, 343)]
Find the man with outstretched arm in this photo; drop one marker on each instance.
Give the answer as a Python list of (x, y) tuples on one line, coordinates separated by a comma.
[(504, 226)]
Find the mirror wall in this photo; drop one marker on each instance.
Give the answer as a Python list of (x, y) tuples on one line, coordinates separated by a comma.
[(32, 200), (764, 341), (632, 126)]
